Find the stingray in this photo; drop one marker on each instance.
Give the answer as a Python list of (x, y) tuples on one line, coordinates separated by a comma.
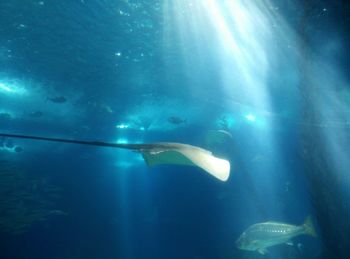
[(159, 153)]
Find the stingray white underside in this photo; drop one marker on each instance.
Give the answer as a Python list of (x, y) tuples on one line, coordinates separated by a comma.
[(183, 154)]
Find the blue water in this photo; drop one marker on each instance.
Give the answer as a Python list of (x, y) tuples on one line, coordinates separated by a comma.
[(273, 74)]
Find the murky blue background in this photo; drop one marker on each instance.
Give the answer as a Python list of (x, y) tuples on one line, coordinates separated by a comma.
[(275, 75)]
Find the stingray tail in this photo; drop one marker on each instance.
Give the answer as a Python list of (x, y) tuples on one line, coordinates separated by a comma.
[(72, 141)]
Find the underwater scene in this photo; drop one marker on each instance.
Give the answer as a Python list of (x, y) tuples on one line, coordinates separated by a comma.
[(174, 129)]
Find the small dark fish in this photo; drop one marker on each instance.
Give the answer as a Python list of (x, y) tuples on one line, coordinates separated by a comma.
[(58, 99), (5, 115), (18, 149), (36, 114), (176, 120), (58, 213), (9, 143)]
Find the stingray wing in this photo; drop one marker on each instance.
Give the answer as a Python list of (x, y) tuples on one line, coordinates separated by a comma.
[(183, 154)]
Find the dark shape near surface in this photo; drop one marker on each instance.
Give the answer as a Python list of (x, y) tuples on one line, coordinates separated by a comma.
[(36, 114), (5, 116), (9, 144), (176, 120), (57, 99), (18, 149), (159, 153)]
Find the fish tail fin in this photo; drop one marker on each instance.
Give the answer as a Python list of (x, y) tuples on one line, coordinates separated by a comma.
[(309, 227)]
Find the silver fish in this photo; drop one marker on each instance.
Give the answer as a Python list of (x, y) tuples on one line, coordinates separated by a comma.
[(262, 235)]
